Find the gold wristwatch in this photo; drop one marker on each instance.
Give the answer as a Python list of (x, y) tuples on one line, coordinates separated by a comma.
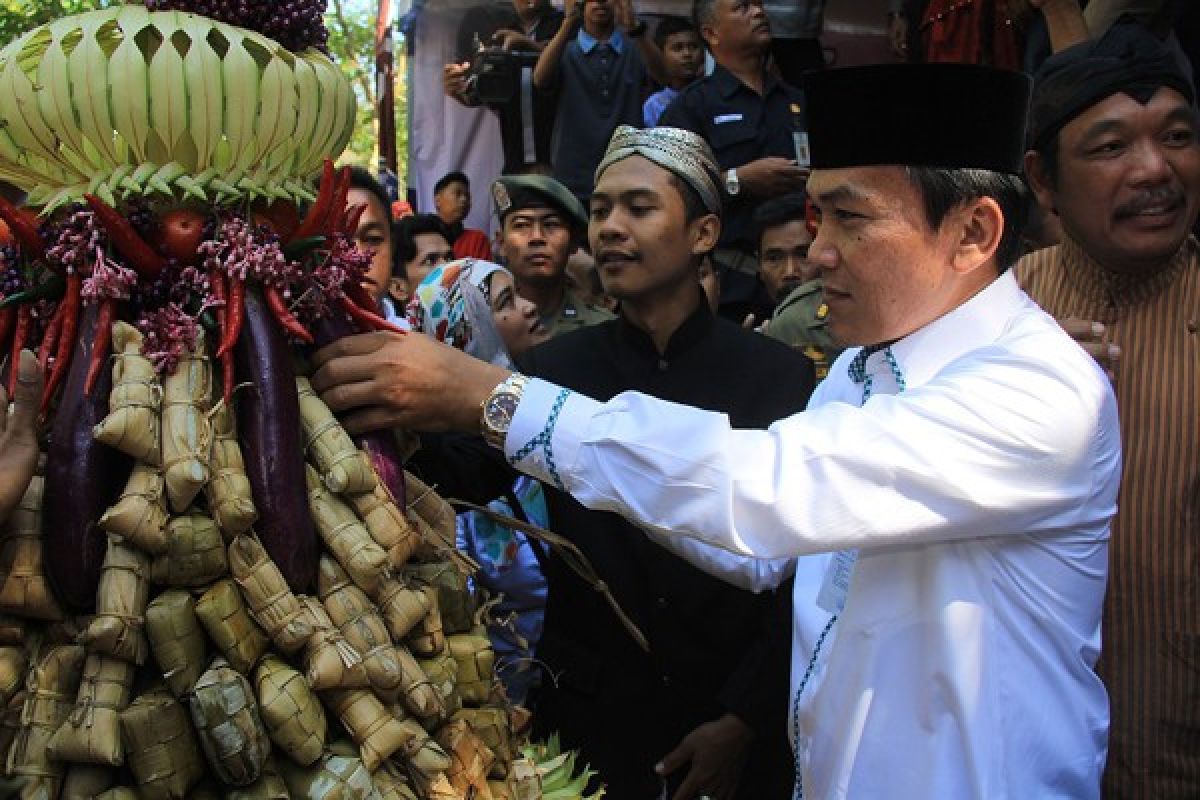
[(496, 413)]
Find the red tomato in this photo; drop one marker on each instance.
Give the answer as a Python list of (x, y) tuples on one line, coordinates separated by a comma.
[(280, 216), (180, 232)]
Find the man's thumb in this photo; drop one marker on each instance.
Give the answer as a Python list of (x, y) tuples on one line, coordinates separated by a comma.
[(675, 759)]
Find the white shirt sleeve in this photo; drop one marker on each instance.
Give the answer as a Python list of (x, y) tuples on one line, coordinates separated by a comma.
[(1002, 443)]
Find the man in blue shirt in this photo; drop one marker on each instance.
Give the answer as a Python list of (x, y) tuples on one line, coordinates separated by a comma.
[(598, 60)]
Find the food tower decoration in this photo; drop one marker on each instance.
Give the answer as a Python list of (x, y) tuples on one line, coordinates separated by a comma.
[(211, 589)]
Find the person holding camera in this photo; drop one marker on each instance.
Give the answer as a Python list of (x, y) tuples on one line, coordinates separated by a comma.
[(498, 46), (598, 60)]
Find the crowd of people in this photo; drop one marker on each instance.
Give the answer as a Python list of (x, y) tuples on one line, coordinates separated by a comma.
[(863, 398)]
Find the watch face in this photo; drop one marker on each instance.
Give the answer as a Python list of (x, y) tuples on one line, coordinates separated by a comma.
[(500, 410)]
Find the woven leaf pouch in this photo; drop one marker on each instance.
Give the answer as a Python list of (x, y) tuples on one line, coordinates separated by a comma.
[(10, 723), (91, 733), (290, 711), (345, 536), (223, 614), (49, 697), (132, 425), (377, 733), (470, 758), (359, 621), (330, 662), (344, 468), (391, 784), (455, 601), (269, 786), (491, 724), (386, 523), (13, 663), (24, 590), (140, 514), (186, 428), (119, 793), (228, 725), (228, 490), (195, 553), (12, 631), (403, 606), (161, 748), (176, 639), (424, 756), (476, 666), (270, 601), (86, 781), (428, 639), (442, 673), (338, 775), (433, 509), (116, 630)]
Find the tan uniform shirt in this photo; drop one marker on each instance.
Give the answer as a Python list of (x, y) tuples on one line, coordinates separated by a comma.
[(1150, 658), (574, 314)]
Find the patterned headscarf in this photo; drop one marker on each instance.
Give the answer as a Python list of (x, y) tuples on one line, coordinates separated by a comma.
[(676, 150), (452, 305)]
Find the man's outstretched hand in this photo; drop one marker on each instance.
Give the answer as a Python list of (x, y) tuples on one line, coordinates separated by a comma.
[(384, 380), (18, 433)]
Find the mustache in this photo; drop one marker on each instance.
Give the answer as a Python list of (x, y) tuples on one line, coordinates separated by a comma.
[(1168, 196)]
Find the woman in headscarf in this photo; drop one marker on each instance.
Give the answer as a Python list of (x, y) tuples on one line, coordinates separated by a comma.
[(473, 305)]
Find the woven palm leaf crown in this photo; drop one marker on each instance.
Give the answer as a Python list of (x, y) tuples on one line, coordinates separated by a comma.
[(125, 102)]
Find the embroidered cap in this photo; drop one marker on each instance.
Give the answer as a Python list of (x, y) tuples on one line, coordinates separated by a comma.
[(953, 116), (679, 151)]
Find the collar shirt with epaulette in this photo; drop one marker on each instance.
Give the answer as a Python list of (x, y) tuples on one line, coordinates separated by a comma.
[(574, 314), (800, 321)]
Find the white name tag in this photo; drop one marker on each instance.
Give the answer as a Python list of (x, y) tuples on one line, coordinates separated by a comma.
[(836, 585), (721, 119)]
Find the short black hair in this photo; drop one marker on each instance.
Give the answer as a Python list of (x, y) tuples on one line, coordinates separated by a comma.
[(703, 12), (449, 178), (943, 190), (361, 178), (779, 211), (693, 205), (404, 239), (669, 26)]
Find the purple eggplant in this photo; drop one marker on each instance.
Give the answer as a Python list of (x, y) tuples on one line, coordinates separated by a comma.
[(272, 444), (83, 478), (381, 446)]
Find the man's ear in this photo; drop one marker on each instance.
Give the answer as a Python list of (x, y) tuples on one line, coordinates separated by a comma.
[(1039, 181), (705, 233), (978, 227)]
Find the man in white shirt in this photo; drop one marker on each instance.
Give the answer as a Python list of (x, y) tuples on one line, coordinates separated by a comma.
[(960, 467)]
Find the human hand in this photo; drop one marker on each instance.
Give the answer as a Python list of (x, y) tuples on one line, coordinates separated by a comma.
[(623, 14), (716, 752), (385, 380), (770, 176), (454, 78), (898, 34), (1091, 337), (572, 11), (18, 434), (513, 40)]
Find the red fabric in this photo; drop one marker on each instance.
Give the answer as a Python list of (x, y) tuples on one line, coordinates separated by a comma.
[(473, 244), (953, 31)]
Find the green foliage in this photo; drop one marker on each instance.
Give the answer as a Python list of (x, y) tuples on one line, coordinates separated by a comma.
[(18, 16)]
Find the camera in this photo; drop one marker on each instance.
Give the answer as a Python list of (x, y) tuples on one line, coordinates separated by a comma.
[(495, 74)]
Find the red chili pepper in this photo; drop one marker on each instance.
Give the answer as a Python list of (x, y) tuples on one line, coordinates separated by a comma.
[(24, 322), (25, 232), (233, 320), (219, 292), (311, 225), (100, 347), (368, 319), (361, 297), (139, 256), (66, 337), (336, 215), (50, 338), (353, 217), (7, 317), (282, 313)]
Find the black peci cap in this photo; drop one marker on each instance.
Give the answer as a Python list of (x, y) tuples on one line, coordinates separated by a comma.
[(953, 116)]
